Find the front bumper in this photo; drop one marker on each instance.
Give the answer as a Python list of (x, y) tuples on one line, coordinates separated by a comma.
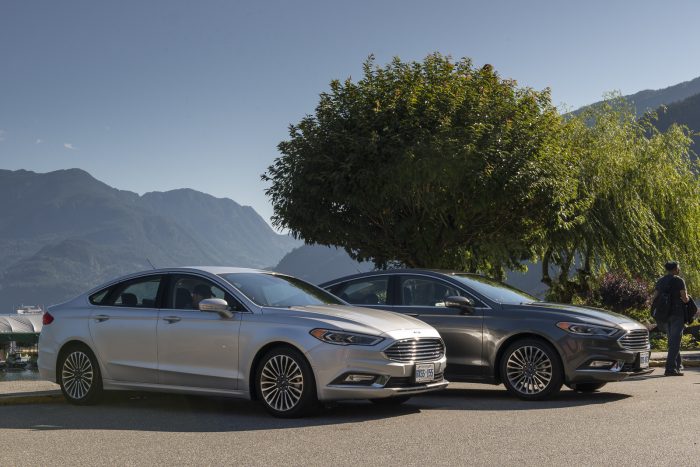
[(331, 363), (627, 364)]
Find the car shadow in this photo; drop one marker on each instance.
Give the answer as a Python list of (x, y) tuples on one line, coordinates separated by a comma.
[(496, 398), (177, 413)]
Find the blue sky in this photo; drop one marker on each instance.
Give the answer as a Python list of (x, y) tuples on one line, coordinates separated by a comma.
[(157, 95)]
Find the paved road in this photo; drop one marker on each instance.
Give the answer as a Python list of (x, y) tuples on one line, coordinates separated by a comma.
[(650, 422)]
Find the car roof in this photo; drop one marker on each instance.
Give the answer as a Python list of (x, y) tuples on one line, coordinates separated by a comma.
[(427, 272), (215, 270)]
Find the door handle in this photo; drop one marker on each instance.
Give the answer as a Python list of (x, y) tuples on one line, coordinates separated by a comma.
[(100, 318), (415, 315), (172, 319)]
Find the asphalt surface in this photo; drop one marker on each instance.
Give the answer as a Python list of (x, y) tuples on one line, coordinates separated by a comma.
[(644, 422)]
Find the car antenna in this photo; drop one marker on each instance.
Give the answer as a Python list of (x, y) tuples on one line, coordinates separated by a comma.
[(149, 262)]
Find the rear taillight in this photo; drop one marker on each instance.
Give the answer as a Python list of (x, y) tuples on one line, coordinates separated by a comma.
[(47, 318)]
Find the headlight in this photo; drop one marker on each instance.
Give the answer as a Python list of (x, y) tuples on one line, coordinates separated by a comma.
[(587, 329), (344, 338)]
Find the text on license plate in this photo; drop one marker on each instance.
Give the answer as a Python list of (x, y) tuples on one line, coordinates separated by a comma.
[(425, 372), (644, 360)]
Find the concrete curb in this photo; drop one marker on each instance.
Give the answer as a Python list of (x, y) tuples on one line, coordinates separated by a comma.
[(38, 397), (686, 363)]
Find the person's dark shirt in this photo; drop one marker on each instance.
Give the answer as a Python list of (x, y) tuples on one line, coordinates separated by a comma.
[(672, 285)]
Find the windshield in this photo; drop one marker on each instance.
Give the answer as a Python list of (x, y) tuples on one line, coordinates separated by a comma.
[(279, 291), (494, 290)]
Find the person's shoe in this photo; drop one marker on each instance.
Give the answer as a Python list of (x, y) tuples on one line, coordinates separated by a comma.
[(673, 373)]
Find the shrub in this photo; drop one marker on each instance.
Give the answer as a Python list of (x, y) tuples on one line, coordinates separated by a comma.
[(687, 343), (660, 343), (621, 293)]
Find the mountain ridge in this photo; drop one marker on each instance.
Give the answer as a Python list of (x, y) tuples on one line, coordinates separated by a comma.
[(64, 231)]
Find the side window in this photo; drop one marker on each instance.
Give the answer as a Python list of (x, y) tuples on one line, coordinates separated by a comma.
[(187, 291), (424, 291), (141, 293), (97, 297), (371, 291)]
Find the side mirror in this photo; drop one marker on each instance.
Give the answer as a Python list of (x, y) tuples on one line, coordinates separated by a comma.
[(218, 305), (465, 304)]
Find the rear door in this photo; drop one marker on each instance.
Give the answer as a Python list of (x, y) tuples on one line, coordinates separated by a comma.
[(424, 298), (370, 292), (123, 329)]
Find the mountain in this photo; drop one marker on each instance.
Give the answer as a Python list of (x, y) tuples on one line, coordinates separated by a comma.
[(316, 263), (62, 232), (685, 112), (652, 99)]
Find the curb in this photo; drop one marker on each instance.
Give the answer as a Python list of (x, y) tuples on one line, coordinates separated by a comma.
[(686, 363), (39, 397)]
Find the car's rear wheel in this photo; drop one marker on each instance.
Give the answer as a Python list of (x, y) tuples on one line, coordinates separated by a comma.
[(79, 376), (531, 369), (387, 401), (285, 383), (586, 387)]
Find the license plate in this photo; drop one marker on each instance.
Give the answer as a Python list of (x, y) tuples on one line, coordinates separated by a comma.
[(425, 372), (644, 360)]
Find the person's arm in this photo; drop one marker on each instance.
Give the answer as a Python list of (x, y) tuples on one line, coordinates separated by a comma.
[(684, 293)]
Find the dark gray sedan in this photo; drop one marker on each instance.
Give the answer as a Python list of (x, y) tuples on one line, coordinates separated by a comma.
[(498, 334)]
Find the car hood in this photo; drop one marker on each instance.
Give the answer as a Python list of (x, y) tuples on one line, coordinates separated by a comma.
[(581, 313), (357, 319)]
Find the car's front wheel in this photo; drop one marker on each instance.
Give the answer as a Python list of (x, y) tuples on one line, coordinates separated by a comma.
[(79, 376), (285, 383), (531, 369)]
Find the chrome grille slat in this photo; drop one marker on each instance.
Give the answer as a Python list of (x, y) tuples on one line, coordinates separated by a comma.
[(416, 350), (635, 340)]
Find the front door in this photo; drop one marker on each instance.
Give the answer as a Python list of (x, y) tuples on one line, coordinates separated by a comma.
[(423, 297), (197, 348)]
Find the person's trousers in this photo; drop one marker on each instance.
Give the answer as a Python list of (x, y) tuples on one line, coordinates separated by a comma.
[(674, 329)]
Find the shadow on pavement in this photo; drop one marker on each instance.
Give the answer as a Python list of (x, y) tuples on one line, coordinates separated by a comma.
[(498, 399), (176, 413)]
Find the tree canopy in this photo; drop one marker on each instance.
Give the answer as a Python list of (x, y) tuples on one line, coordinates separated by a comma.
[(441, 164), (428, 164), (637, 202)]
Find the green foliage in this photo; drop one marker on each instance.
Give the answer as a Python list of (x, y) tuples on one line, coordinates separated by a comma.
[(660, 343), (687, 343), (637, 201), (428, 164)]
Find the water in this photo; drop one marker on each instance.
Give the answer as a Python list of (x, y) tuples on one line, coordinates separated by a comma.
[(19, 375)]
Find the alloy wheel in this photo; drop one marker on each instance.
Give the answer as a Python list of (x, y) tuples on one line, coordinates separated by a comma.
[(282, 382), (529, 370), (77, 375)]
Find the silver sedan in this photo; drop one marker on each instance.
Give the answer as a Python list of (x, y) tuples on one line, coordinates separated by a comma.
[(235, 332)]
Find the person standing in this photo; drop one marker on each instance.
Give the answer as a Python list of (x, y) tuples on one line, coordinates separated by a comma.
[(673, 285)]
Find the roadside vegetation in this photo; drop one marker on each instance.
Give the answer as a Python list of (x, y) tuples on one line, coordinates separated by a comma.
[(441, 164)]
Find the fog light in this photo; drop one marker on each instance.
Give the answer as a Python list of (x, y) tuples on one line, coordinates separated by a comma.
[(601, 364), (351, 378)]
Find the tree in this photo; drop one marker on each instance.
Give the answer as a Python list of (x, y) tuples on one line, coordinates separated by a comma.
[(428, 164), (637, 202)]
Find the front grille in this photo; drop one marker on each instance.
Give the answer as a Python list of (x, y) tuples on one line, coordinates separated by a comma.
[(635, 340), (416, 350), (408, 382)]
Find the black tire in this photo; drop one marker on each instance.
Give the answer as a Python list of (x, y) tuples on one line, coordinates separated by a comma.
[(531, 370), (79, 375), (285, 384), (390, 401), (586, 387)]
